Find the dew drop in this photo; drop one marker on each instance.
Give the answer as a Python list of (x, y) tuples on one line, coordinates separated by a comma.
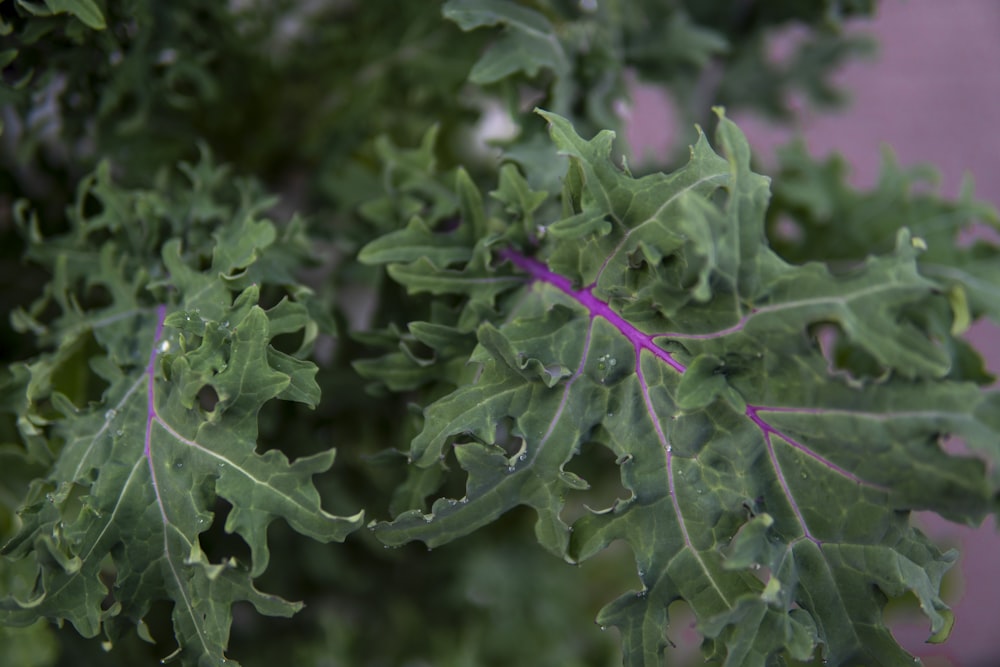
[(120, 432), (611, 414), (669, 448), (165, 346), (510, 468), (110, 414), (179, 465), (463, 499), (428, 518), (805, 476), (603, 628), (522, 457)]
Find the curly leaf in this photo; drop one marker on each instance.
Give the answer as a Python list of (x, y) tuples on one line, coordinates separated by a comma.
[(141, 465), (766, 487)]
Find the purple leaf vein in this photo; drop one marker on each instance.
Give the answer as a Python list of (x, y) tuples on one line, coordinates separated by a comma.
[(645, 342)]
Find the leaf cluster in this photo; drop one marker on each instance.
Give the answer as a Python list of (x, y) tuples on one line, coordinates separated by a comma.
[(705, 386)]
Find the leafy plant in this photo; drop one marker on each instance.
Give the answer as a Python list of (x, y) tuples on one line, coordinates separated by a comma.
[(738, 396)]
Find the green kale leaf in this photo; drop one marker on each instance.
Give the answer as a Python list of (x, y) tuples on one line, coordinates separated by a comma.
[(143, 409), (766, 485)]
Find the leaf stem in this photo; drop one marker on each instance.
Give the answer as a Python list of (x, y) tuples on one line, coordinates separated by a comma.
[(161, 315), (594, 305), (643, 341)]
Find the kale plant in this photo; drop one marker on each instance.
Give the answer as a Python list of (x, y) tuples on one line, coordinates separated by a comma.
[(524, 353)]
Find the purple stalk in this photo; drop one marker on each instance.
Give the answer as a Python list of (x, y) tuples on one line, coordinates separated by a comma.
[(643, 341), (596, 307)]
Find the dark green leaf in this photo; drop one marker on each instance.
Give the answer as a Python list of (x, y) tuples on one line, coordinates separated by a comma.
[(764, 486)]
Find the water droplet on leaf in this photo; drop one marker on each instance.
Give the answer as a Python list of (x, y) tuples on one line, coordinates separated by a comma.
[(165, 346), (110, 414)]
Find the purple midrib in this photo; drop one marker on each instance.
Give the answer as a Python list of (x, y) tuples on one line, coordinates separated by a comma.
[(644, 342)]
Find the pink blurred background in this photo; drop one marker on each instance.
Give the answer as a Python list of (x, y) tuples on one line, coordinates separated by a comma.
[(933, 95)]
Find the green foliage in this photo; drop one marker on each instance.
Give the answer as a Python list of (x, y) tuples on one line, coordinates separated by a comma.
[(836, 223), (702, 385), (145, 404), (668, 332)]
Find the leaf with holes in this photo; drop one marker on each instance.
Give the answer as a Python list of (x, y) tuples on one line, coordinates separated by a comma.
[(146, 411), (768, 486)]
